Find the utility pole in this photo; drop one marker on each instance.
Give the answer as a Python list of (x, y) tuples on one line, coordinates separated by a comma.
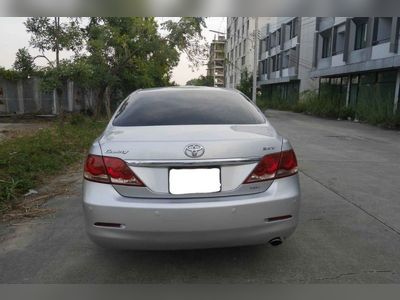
[(56, 101), (255, 67)]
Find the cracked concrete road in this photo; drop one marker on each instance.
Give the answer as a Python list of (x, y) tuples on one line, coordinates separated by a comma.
[(349, 229)]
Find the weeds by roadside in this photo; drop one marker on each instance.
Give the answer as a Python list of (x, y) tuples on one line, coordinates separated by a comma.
[(26, 162), (311, 103)]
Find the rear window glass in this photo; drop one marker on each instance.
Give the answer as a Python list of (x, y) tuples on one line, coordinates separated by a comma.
[(187, 107)]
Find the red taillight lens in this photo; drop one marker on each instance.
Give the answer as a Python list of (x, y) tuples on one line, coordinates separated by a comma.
[(266, 168), (109, 170), (272, 166), (120, 173), (288, 164), (95, 169)]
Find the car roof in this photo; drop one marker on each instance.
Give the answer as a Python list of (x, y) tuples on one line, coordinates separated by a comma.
[(187, 88)]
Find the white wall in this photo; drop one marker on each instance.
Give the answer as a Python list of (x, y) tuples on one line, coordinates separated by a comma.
[(306, 54)]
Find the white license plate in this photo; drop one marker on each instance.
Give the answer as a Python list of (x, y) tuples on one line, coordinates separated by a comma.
[(194, 181)]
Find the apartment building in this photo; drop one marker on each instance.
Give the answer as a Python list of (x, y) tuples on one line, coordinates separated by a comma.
[(285, 58), (358, 62), (216, 64), (239, 49)]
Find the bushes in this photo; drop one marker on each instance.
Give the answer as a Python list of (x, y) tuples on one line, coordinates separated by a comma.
[(374, 109), (27, 161)]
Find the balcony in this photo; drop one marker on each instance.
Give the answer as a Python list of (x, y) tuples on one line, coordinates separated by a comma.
[(381, 50), (291, 43)]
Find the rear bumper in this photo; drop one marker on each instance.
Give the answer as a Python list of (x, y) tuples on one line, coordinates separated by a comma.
[(179, 224)]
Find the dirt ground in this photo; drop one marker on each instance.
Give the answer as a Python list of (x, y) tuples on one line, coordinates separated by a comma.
[(10, 130), (32, 204)]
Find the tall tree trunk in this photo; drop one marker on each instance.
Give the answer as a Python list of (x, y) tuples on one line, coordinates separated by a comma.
[(107, 101), (99, 102), (57, 47)]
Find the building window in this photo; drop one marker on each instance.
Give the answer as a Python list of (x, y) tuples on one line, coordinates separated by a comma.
[(326, 43), (272, 40), (293, 59), (339, 39), (264, 67), (278, 37), (387, 77), (285, 60), (382, 30), (368, 78), (247, 28), (219, 55), (262, 47), (293, 31), (273, 58), (243, 60), (361, 33), (290, 29), (278, 62)]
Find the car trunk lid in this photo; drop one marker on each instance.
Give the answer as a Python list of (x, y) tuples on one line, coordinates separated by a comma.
[(151, 151)]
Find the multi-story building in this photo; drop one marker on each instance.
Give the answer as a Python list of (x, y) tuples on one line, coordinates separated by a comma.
[(358, 62), (285, 58), (216, 64), (239, 49)]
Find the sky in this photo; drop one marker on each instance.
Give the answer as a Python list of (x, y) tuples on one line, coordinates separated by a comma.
[(14, 36)]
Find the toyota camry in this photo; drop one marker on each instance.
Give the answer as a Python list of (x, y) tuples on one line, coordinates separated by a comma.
[(190, 167)]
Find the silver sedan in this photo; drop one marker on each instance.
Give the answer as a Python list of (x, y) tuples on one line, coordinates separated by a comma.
[(190, 167)]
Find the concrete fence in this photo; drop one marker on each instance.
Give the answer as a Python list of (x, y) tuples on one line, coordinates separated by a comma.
[(25, 97)]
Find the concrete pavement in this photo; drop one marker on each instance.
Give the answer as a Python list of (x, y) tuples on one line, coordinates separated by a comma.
[(349, 229)]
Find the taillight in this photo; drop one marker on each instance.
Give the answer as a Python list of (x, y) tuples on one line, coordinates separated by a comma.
[(288, 164), (95, 169), (120, 173), (273, 166), (109, 170)]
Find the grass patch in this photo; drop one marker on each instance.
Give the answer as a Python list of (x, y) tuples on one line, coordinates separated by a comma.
[(26, 162)]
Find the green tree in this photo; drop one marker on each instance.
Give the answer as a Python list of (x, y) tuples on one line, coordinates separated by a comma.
[(24, 62), (126, 54), (51, 34), (130, 53), (122, 53), (202, 81), (186, 36)]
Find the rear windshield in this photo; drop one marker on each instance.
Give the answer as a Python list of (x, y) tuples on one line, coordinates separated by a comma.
[(187, 107)]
